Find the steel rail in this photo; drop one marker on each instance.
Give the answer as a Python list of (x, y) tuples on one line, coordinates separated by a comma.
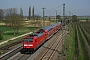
[(10, 53), (49, 47)]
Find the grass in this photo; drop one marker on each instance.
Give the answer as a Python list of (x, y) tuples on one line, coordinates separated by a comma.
[(5, 28), (84, 49), (81, 55), (1, 21), (83, 18), (70, 45), (8, 33), (53, 21), (11, 41), (85, 36)]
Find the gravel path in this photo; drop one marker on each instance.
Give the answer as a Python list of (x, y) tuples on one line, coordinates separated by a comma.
[(14, 38)]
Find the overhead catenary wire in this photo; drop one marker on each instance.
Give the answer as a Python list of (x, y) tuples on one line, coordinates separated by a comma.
[(49, 10)]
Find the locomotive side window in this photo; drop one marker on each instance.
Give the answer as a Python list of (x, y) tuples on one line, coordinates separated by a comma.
[(28, 40), (41, 31)]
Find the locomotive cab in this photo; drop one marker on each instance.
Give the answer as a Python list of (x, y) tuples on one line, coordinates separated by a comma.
[(28, 43)]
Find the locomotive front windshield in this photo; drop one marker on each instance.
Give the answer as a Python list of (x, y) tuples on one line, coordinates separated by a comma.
[(28, 40)]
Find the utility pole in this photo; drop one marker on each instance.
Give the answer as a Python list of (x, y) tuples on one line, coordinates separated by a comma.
[(43, 17), (69, 16), (63, 30), (56, 16)]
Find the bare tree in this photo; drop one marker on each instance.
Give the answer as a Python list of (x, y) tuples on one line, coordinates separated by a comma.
[(74, 18), (1, 14), (9, 16), (14, 19), (1, 37), (59, 18)]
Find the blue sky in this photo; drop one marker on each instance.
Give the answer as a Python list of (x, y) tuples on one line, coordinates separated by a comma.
[(78, 7)]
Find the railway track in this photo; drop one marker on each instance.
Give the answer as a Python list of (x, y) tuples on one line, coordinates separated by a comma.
[(52, 48), (49, 53), (20, 56), (9, 47), (10, 53), (17, 55)]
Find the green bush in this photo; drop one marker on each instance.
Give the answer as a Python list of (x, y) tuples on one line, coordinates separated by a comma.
[(1, 37)]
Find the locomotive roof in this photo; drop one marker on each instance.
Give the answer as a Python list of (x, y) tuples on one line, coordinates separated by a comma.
[(49, 27), (33, 34), (36, 34)]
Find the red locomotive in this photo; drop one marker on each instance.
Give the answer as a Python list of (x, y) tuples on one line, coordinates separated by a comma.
[(34, 40)]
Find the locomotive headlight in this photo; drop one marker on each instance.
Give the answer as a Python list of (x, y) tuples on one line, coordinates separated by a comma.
[(28, 45), (25, 45)]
